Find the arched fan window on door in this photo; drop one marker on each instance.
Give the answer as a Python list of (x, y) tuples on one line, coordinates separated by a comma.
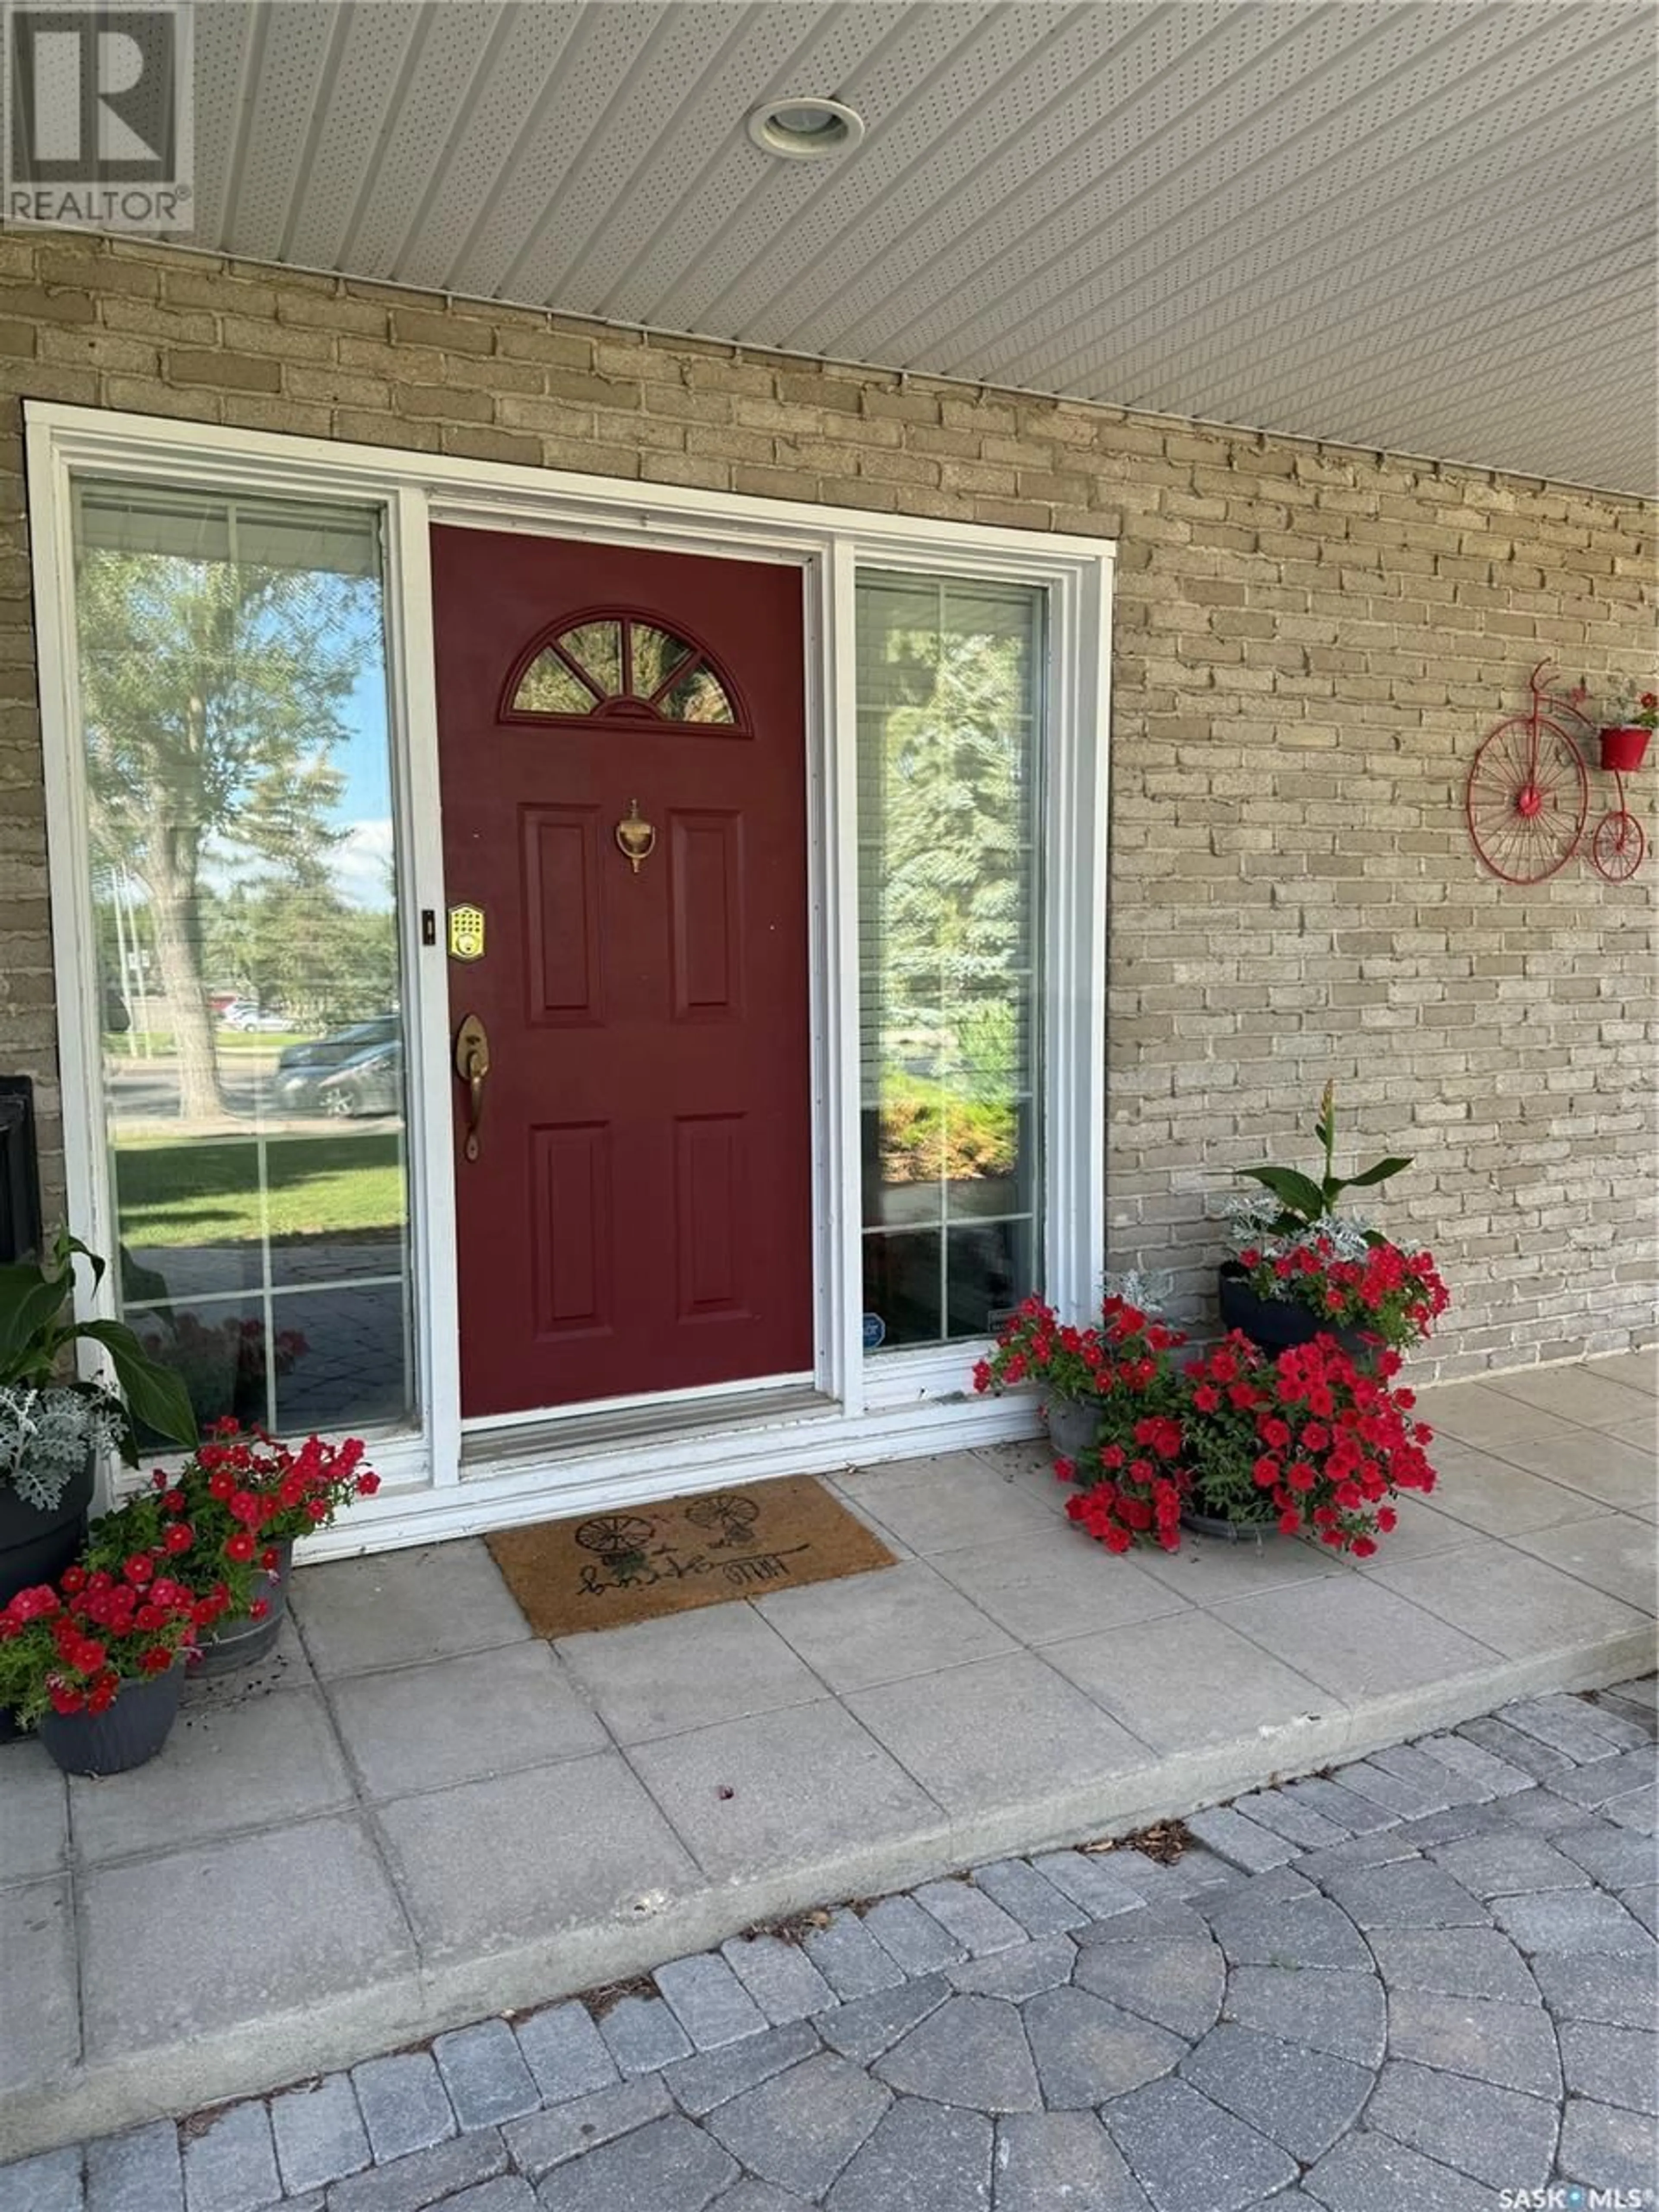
[(620, 666)]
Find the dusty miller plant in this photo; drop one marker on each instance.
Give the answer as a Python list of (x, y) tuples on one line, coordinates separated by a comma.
[(49, 1417), (1150, 1293), (46, 1436), (1252, 1227)]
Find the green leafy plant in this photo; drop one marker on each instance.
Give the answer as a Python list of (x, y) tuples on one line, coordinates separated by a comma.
[(42, 1405), (1302, 1201), (1632, 707)]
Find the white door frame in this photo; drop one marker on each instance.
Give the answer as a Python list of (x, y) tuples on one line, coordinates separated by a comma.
[(570, 1460)]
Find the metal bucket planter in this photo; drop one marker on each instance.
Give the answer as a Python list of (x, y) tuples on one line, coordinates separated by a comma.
[(239, 1641), (129, 1735), (1275, 1324), (1230, 1532), (1073, 1427), (1624, 749)]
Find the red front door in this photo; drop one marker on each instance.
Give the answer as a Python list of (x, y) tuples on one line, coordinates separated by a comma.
[(623, 765)]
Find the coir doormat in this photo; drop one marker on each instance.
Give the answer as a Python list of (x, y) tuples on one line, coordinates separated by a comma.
[(606, 1569)]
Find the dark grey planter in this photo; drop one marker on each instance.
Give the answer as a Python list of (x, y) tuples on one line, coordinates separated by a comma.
[(237, 1643), (1276, 1324), (1073, 1426), (1231, 1532), (129, 1735), (37, 1544)]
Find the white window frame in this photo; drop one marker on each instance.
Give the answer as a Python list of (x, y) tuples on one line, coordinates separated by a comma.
[(443, 1479)]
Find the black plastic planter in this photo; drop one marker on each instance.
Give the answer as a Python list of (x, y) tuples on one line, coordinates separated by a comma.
[(1275, 1324), (130, 1733), (36, 1544)]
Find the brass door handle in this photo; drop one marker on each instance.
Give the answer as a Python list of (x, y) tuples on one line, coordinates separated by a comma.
[(472, 1065)]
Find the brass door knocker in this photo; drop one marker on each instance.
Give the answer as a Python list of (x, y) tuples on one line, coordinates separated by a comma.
[(636, 837)]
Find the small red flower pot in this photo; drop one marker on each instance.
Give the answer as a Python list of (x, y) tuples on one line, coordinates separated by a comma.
[(1624, 751)]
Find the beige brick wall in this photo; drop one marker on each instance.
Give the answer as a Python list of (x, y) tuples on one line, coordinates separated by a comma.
[(1310, 642)]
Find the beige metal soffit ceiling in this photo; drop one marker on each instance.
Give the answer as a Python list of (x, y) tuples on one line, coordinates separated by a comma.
[(1428, 229)]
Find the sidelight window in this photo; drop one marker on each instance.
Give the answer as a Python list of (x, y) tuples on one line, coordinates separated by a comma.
[(949, 675), (237, 763)]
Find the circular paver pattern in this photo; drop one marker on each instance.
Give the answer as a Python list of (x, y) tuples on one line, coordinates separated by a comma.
[(1440, 2012), (1427, 2015)]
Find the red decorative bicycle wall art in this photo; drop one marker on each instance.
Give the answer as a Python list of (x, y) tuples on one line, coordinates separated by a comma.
[(1528, 794)]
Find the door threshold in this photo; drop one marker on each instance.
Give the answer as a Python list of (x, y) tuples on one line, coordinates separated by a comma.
[(597, 1428)]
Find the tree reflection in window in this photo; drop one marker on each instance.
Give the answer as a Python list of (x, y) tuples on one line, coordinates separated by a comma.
[(618, 664), (950, 672)]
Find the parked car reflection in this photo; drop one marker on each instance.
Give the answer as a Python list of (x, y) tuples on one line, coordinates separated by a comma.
[(370, 1082), (302, 1068), (243, 1014)]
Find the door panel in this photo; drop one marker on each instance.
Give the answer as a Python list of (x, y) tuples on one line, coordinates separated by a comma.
[(639, 1216), (712, 1216), (560, 847), (705, 855), (569, 1227)]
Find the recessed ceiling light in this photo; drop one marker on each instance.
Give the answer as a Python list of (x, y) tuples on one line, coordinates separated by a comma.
[(805, 130)]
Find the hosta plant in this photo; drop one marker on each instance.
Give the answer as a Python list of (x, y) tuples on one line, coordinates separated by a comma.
[(1302, 1201), (50, 1418), (1290, 1244)]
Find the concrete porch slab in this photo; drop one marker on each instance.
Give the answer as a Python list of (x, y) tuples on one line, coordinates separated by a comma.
[(416, 1814)]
